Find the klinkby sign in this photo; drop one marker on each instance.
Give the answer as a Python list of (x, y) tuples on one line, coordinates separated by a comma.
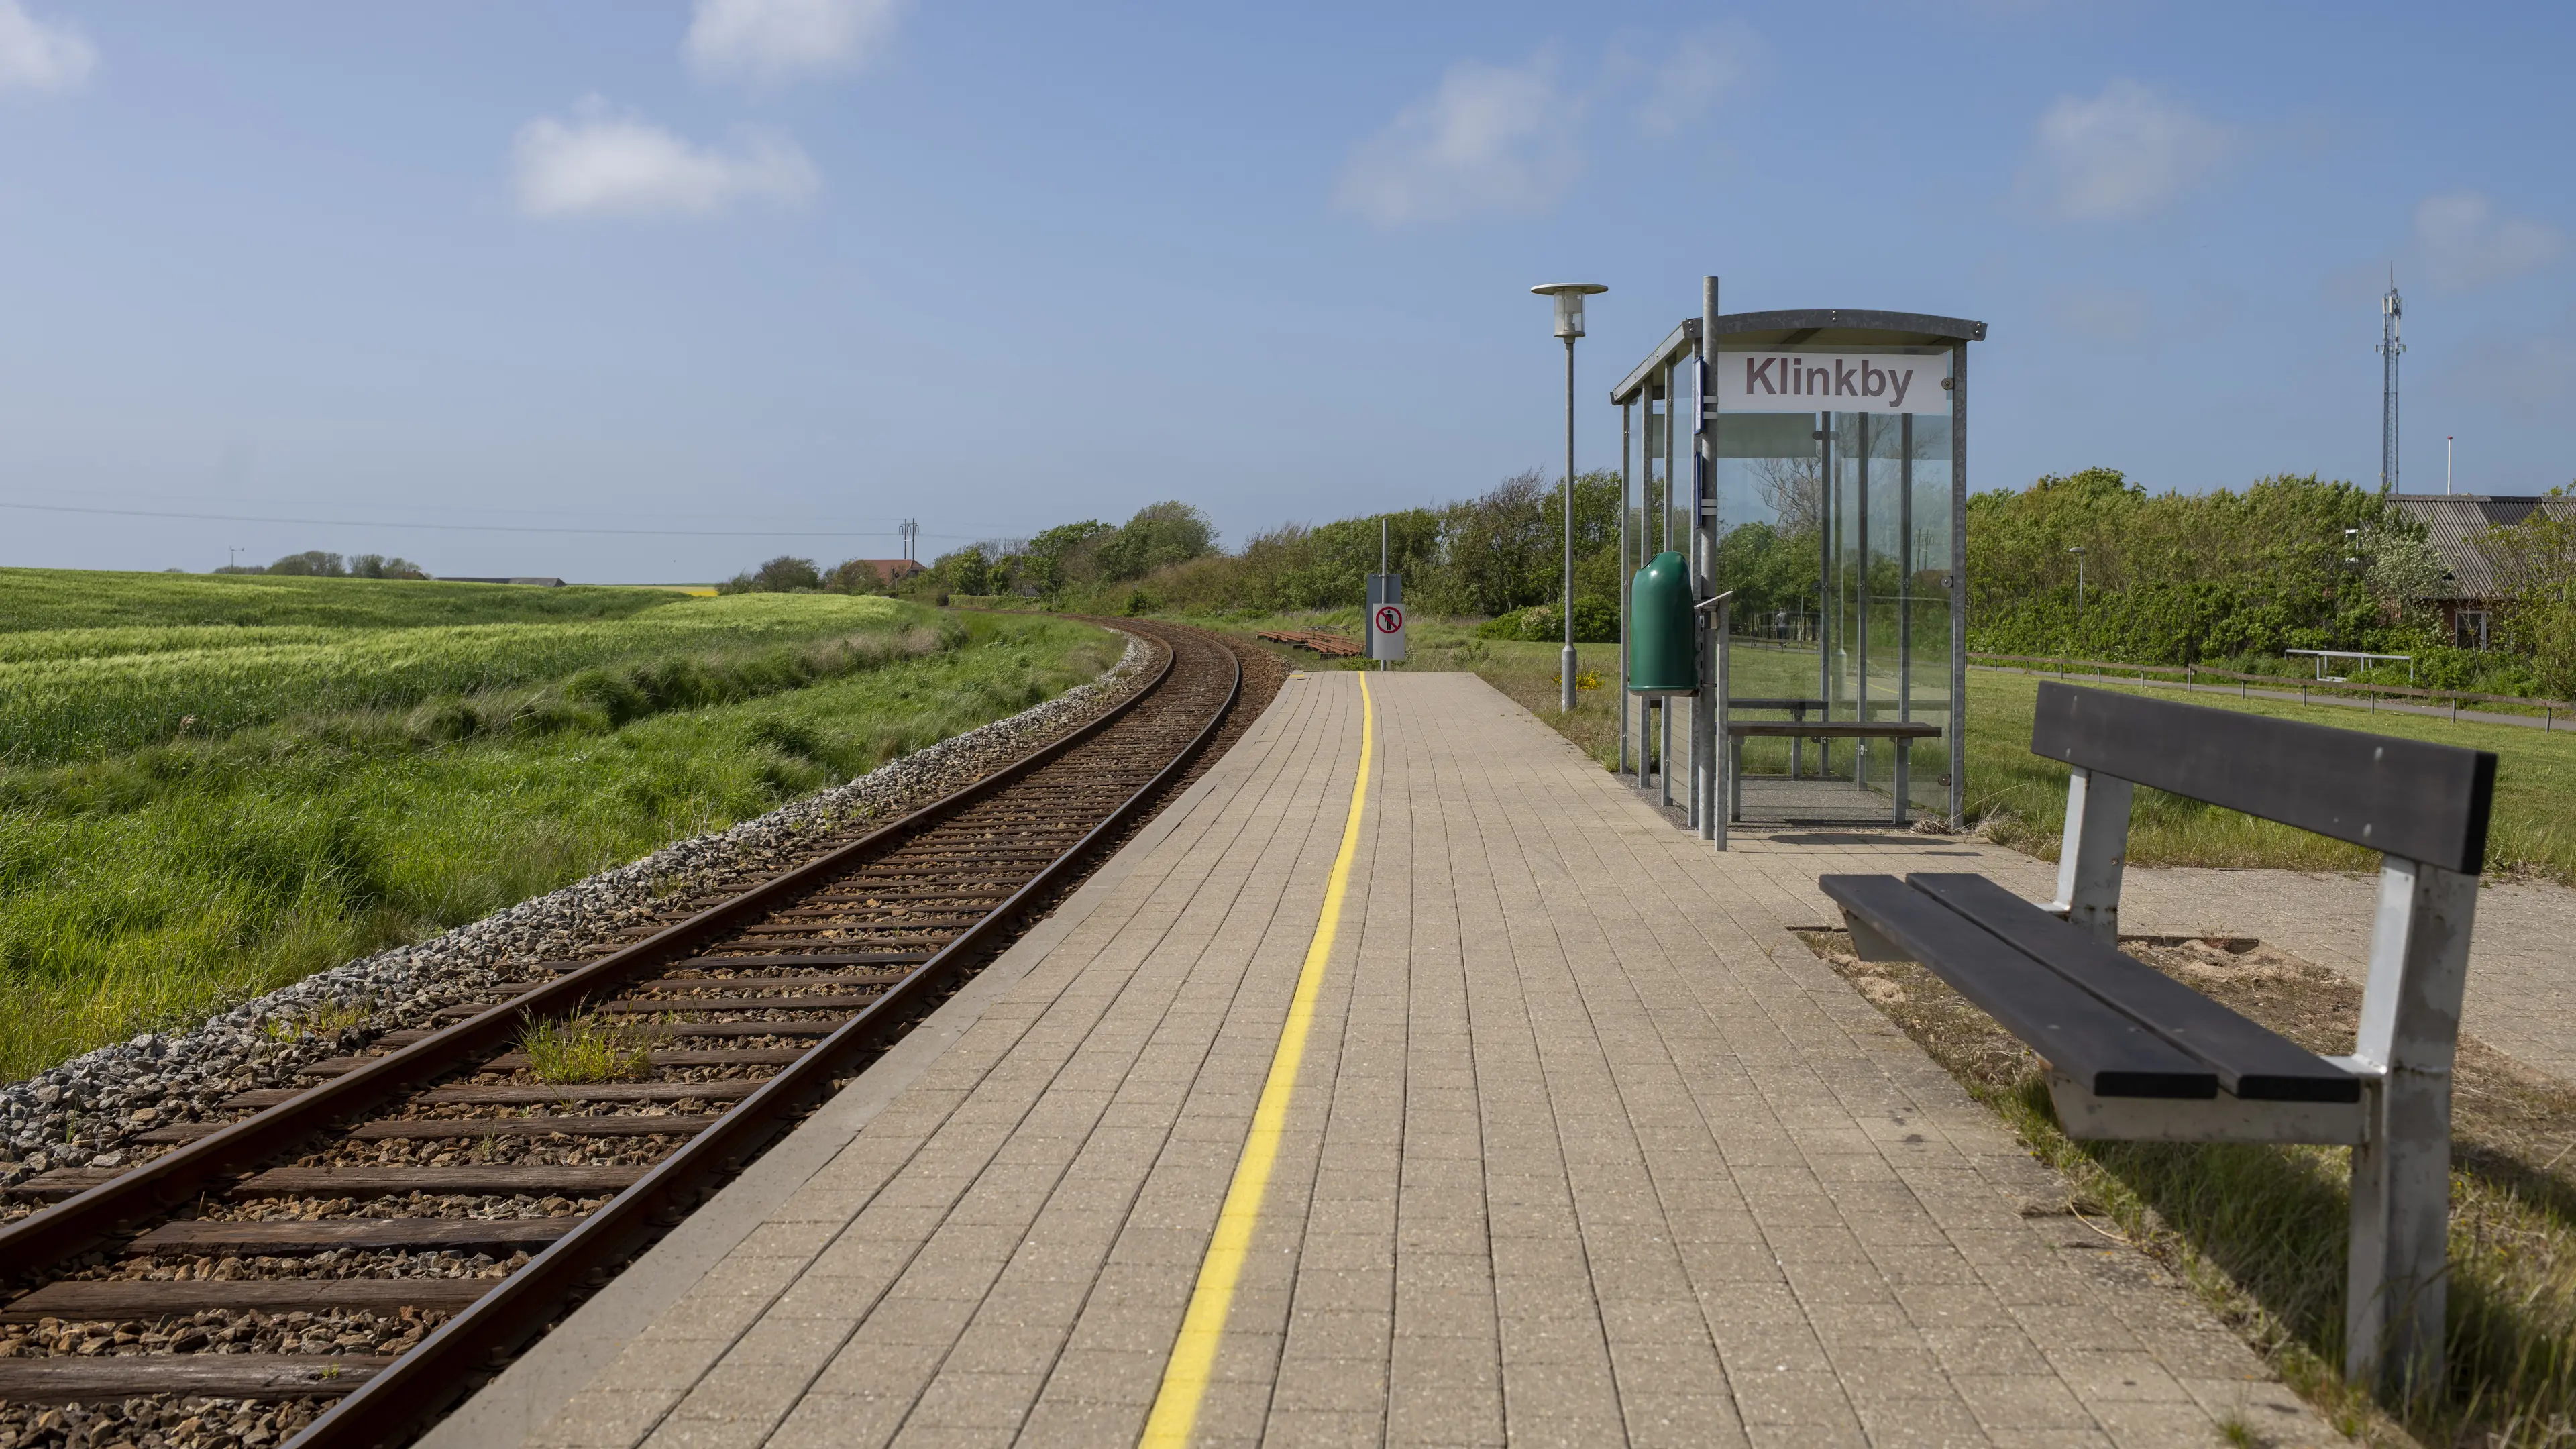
[(1837, 382)]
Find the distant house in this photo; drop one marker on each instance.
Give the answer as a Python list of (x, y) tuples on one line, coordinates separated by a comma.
[(2452, 523), (896, 570)]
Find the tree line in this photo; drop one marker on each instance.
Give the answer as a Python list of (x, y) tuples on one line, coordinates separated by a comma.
[(2290, 561), (314, 563)]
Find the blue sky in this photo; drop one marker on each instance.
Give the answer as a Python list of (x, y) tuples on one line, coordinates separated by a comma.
[(744, 277)]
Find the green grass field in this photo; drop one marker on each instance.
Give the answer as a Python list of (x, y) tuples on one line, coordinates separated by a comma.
[(396, 790), (2020, 799)]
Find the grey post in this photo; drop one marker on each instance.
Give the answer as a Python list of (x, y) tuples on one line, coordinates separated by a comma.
[(1958, 585), (2093, 852), (1664, 510), (2401, 1176), (1704, 767), (1627, 485), (1722, 801), (1904, 789)]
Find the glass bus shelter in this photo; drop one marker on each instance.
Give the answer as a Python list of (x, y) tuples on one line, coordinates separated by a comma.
[(1814, 463)]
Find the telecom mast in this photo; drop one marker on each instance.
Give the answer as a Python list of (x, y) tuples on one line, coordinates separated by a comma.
[(2392, 311)]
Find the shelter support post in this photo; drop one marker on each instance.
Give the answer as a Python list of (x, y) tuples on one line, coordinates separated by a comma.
[(1627, 482), (1704, 709)]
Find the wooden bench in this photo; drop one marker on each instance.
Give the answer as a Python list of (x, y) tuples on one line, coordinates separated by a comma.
[(2134, 1055), (1797, 730)]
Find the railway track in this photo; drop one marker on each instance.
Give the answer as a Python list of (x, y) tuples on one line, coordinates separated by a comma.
[(371, 1246)]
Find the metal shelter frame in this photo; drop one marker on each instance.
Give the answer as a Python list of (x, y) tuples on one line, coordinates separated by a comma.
[(1676, 373)]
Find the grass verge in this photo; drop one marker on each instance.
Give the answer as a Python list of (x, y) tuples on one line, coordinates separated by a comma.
[(2259, 1231)]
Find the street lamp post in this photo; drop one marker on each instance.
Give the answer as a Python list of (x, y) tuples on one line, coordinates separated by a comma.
[(2078, 551), (1569, 325)]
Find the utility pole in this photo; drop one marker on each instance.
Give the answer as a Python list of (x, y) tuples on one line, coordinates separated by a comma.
[(2392, 313), (2447, 441)]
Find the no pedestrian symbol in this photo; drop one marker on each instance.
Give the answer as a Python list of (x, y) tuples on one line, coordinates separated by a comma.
[(1390, 620)]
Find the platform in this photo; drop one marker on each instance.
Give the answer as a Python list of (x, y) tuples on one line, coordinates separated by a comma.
[(1583, 1148)]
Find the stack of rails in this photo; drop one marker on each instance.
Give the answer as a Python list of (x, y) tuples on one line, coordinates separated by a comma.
[(431, 1204)]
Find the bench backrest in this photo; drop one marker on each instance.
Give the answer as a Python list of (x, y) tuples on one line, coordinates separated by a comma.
[(2407, 798)]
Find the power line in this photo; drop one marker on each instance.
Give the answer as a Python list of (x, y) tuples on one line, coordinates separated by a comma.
[(480, 527)]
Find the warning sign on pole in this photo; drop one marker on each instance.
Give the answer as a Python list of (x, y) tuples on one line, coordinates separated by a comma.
[(1386, 617)]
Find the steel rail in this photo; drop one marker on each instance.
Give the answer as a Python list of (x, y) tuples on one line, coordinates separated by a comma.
[(46, 1239), (398, 1401)]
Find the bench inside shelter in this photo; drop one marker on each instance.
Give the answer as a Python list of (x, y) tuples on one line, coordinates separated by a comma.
[(2134, 1055)]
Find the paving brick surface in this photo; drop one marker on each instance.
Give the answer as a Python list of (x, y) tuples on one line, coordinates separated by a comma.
[(1587, 1149)]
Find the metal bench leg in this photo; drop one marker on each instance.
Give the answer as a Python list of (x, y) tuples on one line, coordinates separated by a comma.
[(1735, 778), (2401, 1177), (1904, 755), (2092, 852)]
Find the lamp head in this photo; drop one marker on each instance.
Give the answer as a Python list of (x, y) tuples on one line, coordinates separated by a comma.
[(1569, 304)]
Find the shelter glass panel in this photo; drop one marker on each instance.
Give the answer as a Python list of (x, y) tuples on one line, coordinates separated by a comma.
[(1834, 528)]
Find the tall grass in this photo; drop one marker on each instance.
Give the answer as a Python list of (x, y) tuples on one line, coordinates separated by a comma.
[(142, 889), (61, 708)]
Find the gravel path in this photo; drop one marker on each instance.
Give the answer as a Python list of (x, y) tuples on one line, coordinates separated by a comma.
[(87, 1110)]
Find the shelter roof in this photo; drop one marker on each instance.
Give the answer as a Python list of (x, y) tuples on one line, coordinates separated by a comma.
[(1812, 327)]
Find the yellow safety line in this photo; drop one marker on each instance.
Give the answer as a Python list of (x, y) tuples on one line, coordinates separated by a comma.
[(1185, 1377)]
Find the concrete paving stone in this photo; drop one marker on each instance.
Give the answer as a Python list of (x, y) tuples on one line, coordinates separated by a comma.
[(1554, 1338), (1356, 1385), (1684, 1421), (746, 1393), (600, 1415), (1920, 1423), (1074, 1424), (1661, 1320), (689, 1432), (965, 1399), (2158, 1425), (1864, 1327), (1319, 1429), (872, 1364), (2064, 1328), (2105, 1377)]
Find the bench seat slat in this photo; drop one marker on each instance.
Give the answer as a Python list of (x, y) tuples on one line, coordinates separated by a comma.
[(2078, 1033), (2252, 1061)]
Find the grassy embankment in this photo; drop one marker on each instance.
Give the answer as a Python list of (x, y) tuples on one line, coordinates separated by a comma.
[(2021, 800), (193, 813)]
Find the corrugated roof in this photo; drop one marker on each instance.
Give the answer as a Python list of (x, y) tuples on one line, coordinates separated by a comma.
[(2453, 521)]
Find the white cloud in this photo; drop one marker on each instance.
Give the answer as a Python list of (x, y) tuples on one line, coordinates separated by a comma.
[(772, 40), (2103, 316), (599, 164), (2124, 152), (35, 56), (1697, 72), (1489, 138), (2467, 244)]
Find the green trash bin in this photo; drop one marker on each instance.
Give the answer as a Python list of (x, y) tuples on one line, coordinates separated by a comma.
[(1661, 658)]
